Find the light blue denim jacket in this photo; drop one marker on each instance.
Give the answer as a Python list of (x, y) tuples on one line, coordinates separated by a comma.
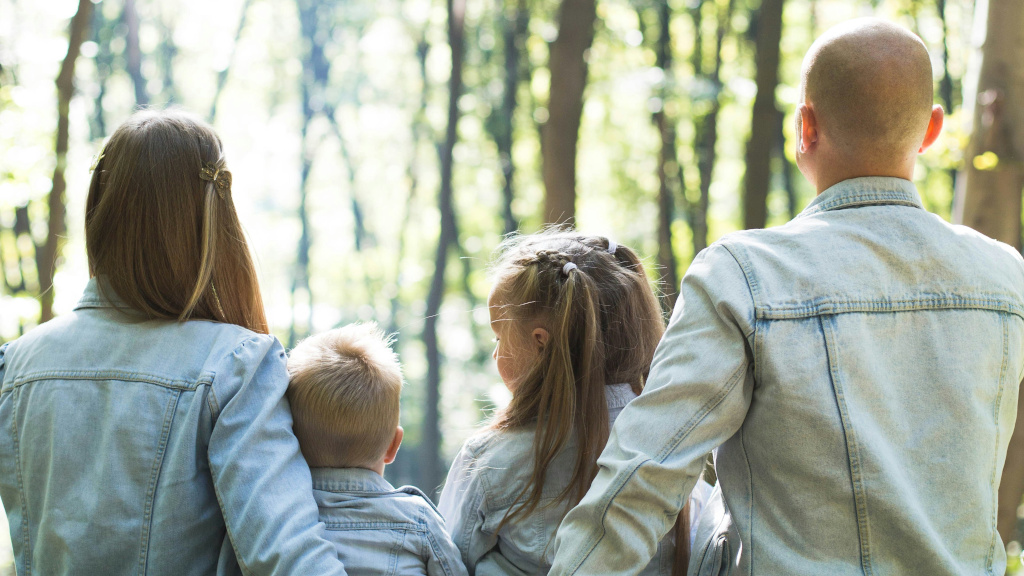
[(150, 447), (378, 530), (488, 474), (858, 370)]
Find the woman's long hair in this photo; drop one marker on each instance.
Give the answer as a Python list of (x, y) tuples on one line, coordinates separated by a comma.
[(160, 226), (604, 323)]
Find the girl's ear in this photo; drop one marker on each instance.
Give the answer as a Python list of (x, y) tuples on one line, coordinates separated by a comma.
[(541, 338)]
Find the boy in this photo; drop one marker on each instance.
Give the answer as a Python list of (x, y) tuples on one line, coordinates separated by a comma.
[(344, 389)]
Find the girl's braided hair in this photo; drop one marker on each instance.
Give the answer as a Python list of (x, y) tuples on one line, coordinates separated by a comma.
[(604, 322)]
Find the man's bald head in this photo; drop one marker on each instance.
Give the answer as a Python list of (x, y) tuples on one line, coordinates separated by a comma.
[(869, 83)]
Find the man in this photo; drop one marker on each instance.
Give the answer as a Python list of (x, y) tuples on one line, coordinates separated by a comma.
[(857, 368)]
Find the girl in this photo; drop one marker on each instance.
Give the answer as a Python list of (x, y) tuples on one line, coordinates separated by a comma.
[(576, 324), (147, 432)]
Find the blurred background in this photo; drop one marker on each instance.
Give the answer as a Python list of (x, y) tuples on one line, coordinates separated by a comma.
[(380, 150)]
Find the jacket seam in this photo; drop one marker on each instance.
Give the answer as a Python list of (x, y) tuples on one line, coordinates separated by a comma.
[(823, 306), (120, 375), (26, 518), (708, 407), (750, 501), (435, 550), (753, 288), (852, 449), (994, 481), (147, 514)]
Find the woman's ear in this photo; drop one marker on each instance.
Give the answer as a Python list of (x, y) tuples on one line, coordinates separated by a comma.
[(540, 338)]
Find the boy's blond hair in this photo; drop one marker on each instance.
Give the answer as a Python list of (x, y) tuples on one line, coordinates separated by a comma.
[(345, 387)]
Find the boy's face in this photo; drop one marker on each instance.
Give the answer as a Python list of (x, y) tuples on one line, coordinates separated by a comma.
[(514, 349)]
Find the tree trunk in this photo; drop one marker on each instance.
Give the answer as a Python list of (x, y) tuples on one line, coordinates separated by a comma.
[(946, 83), (706, 130), (315, 69), (670, 171), (514, 26), (765, 116), (222, 76), (133, 52), (993, 181), (431, 449), (49, 252), (560, 134)]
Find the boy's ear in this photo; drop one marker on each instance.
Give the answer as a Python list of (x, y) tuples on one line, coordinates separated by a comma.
[(807, 127), (540, 338), (392, 452), (934, 128)]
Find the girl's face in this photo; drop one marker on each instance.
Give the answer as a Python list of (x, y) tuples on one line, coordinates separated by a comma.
[(515, 347)]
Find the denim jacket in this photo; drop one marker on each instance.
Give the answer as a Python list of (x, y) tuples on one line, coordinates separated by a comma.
[(153, 447), (858, 370), (377, 529), (488, 474)]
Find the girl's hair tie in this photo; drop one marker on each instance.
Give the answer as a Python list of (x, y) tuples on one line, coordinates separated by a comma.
[(612, 246), (569, 266)]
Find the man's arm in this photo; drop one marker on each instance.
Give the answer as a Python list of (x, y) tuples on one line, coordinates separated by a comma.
[(696, 397)]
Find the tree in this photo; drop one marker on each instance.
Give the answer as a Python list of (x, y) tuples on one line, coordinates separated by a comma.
[(431, 469), (706, 126), (671, 182), (133, 52), (46, 255), (568, 66), (765, 119), (993, 180)]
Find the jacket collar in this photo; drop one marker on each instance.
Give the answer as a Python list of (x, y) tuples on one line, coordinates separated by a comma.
[(868, 191), (93, 297), (349, 480)]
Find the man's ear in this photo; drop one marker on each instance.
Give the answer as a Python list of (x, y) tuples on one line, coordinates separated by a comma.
[(392, 452), (934, 128), (807, 127), (540, 338)]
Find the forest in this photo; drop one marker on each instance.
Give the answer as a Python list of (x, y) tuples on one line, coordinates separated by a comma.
[(381, 149)]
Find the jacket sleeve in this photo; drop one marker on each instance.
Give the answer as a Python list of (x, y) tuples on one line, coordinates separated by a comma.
[(261, 480), (696, 397), (463, 505), (444, 558)]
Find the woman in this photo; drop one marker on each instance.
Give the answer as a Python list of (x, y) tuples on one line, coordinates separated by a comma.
[(147, 431)]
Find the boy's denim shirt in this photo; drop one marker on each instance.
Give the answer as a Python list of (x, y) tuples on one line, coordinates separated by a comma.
[(490, 471), (377, 529), (858, 370), (149, 447)]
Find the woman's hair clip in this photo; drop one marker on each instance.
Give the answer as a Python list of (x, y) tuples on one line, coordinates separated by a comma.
[(612, 246), (221, 178), (569, 266)]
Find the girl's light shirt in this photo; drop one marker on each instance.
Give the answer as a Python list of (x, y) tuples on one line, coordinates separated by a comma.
[(489, 473), (153, 447)]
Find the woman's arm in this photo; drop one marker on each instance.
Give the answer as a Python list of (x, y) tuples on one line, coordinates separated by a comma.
[(262, 482)]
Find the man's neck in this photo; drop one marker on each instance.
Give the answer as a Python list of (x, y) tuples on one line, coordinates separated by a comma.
[(835, 171)]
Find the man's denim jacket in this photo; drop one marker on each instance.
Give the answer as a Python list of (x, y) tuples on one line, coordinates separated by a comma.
[(377, 529), (491, 470), (150, 447), (858, 370)]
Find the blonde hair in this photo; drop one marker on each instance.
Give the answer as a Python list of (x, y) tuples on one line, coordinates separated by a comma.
[(345, 388), (604, 323), (165, 241)]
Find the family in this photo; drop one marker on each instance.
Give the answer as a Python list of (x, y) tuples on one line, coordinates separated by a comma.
[(854, 372)]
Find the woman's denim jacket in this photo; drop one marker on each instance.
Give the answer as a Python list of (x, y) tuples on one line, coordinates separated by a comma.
[(153, 447), (486, 477), (858, 369)]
